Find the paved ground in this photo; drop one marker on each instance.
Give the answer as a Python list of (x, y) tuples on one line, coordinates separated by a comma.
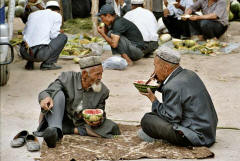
[(221, 75)]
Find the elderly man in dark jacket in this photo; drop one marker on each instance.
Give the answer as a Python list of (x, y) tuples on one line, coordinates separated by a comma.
[(186, 115), (64, 100)]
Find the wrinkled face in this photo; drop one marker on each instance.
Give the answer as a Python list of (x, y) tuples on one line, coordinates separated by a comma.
[(161, 70), (93, 77), (107, 19)]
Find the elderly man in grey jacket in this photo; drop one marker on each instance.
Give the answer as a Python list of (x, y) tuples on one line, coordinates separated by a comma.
[(64, 100), (186, 115)]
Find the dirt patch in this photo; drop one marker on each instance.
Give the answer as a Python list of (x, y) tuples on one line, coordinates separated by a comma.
[(124, 147)]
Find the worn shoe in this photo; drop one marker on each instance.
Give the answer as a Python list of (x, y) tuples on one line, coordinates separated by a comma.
[(32, 143), (50, 136), (19, 139), (29, 65), (52, 66), (142, 135)]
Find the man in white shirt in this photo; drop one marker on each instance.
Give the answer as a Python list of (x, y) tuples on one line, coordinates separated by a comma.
[(42, 39), (172, 17), (146, 23), (121, 7)]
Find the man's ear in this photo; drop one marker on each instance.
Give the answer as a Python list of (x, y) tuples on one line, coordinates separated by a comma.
[(84, 74)]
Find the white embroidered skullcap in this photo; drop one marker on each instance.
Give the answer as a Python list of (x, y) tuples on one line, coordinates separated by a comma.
[(90, 61), (168, 54)]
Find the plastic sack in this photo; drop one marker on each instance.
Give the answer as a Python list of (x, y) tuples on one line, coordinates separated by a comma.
[(96, 48), (115, 63)]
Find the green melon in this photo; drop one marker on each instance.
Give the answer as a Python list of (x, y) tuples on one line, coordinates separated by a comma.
[(235, 7), (92, 115), (22, 3), (19, 11), (231, 16)]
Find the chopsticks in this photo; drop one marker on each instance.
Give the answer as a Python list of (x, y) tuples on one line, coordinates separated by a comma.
[(151, 78)]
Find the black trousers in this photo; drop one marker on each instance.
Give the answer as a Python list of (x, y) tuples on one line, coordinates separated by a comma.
[(208, 28), (157, 128), (150, 47), (176, 27), (45, 53), (158, 15)]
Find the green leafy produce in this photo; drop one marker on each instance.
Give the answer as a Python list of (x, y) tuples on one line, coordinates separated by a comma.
[(77, 25)]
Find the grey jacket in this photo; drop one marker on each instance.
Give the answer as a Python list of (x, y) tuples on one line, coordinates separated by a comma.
[(70, 84), (188, 106), (125, 9)]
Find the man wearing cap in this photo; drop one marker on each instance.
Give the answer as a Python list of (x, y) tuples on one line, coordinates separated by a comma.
[(64, 100), (121, 34), (186, 116), (146, 23), (42, 39)]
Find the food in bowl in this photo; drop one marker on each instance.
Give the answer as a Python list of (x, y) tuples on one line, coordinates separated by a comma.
[(142, 87)]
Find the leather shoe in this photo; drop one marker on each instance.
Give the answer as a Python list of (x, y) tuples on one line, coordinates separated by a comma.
[(45, 66), (50, 136), (19, 139), (32, 143)]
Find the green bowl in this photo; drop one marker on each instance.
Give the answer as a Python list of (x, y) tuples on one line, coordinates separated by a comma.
[(143, 88)]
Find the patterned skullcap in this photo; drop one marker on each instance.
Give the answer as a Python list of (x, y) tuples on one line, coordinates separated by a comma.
[(90, 61)]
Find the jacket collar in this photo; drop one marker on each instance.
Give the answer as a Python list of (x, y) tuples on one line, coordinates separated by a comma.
[(173, 74)]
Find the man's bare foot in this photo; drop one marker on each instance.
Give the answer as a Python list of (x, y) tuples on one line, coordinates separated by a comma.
[(129, 61)]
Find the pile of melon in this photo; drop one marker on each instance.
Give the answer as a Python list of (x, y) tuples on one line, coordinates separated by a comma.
[(19, 7), (234, 13)]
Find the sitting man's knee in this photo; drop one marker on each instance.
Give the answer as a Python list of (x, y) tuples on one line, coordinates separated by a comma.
[(146, 121), (204, 24), (60, 96)]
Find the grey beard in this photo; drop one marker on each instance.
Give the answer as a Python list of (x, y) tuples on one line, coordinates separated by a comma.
[(97, 87)]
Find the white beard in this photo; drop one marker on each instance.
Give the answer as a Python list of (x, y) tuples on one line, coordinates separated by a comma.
[(97, 87)]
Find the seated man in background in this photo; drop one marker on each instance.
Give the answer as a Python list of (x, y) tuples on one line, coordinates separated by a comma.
[(172, 17), (186, 115), (214, 21), (146, 23), (64, 100), (121, 34), (157, 8), (42, 39)]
